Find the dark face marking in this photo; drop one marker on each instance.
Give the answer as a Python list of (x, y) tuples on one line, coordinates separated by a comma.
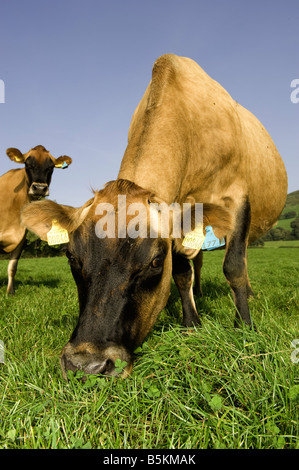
[(39, 168), (122, 285), (39, 173)]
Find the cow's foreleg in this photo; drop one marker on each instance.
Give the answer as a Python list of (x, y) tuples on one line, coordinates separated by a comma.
[(12, 266), (197, 263), (183, 277), (235, 265)]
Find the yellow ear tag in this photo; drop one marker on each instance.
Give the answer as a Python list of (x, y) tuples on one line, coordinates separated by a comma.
[(57, 235), (194, 239)]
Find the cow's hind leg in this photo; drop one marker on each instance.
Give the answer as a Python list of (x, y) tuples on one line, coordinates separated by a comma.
[(12, 266), (183, 277), (235, 265)]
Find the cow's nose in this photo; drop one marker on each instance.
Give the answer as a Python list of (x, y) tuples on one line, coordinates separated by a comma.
[(87, 358), (104, 367), (40, 188)]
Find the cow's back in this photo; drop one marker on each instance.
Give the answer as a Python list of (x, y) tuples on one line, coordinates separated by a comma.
[(189, 139)]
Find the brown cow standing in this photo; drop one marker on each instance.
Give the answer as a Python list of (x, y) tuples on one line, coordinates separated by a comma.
[(188, 141), (18, 188)]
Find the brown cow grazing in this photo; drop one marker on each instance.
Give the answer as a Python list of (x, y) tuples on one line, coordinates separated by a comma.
[(18, 188), (189, 141)]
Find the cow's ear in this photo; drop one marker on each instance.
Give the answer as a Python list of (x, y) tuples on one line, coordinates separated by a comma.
[(202, 215), (219, 218), (62, 162), (39, 216), (199, 217), (15, 155)]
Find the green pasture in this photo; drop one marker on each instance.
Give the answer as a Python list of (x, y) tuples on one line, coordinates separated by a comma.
[(284, 244), (210, 387)]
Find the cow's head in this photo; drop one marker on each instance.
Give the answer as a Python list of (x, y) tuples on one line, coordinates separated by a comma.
[(39, 166), (123, 282)]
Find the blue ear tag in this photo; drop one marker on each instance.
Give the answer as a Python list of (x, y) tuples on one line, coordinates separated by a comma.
[(64, 165), (211, 241)]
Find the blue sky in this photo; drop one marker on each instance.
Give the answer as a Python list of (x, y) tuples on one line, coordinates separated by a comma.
[(74, 71)]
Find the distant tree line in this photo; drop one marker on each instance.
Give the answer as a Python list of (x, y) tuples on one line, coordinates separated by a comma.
[(280, 233), (288, 215), (35, 247)]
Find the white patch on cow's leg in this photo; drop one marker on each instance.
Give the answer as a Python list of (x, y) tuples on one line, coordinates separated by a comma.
[(12, 267), (183, 276)]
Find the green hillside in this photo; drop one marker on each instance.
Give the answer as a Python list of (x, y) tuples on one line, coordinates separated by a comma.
[(292, 202), (292, 205)]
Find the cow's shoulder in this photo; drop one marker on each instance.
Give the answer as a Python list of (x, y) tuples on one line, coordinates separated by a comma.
[(13, 182), (13, 192)]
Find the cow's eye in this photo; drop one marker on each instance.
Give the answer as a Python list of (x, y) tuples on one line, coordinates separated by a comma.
[(157, 262), (70, 257)]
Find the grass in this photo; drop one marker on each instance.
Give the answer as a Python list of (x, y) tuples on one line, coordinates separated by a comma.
[(282, 244), (211, 387)]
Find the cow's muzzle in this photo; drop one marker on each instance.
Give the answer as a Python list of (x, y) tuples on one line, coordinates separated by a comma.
[(88, 358), (39, 190)]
